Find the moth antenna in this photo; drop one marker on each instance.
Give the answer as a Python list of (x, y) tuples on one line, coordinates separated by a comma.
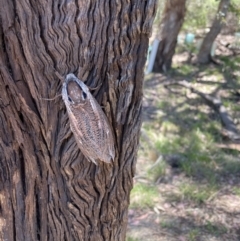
[(52, 98), (62, 79), (59, 76)]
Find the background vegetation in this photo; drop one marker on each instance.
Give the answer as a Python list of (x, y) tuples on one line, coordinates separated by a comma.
[(187, 184)]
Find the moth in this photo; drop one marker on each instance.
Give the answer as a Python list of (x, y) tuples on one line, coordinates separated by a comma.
[(88, 122)]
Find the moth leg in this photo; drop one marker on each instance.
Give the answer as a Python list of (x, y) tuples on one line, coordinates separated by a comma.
[(95, 88), (92, 160)]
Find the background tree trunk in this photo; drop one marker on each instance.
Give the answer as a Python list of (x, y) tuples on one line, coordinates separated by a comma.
[(49, 191), (204, 55), (171, 23)]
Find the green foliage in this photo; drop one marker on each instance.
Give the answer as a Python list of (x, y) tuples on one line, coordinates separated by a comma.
[(235, 9), (200, 14), (217, 230), (143, 196), (132, 239), (193, 235), (167, 224), (236, 191), (185, 69), (197, 193), (157, 171), (230, 64), (231, 166)]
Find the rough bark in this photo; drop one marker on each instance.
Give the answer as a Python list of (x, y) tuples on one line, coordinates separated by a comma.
[(49, 191), (171, 23), (204, 55)]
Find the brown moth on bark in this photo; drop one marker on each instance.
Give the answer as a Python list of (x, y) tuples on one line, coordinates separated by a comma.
[(88, 122)]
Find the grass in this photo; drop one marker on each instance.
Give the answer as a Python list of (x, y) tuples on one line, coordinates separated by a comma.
[(167, 224), (200, 160), (230, 64), (199, 194), (143, 196), (236, 191), (193, 235), (157, 171), (196, 146), (214, 229), (213, 71), (231, 166), (132, 239), (185, 69)]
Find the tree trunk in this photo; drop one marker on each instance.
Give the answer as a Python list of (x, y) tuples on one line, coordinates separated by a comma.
[(49, 191), (171, 23), (204, 55)]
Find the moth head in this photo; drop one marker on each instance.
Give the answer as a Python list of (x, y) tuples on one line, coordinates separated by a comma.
[(75, 92), (76, 95)]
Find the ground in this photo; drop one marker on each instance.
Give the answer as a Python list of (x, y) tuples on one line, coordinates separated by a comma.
[(187, 182)]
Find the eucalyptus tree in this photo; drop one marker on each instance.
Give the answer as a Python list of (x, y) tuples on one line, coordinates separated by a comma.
[(49, 191)]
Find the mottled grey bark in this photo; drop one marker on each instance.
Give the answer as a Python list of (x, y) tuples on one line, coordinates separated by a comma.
[(171, 23), (204, 55), (49, 191)]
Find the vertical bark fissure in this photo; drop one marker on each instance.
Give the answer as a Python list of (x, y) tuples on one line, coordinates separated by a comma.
[(6, 55), (22, 170), (45, 43), (38, 212), (76, 20), (14, 226)]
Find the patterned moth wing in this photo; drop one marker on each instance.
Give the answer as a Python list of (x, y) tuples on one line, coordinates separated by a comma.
[(88, 122)]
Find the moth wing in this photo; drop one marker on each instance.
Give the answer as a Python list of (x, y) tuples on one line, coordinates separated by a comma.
[(91, 159), (108, 150)]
